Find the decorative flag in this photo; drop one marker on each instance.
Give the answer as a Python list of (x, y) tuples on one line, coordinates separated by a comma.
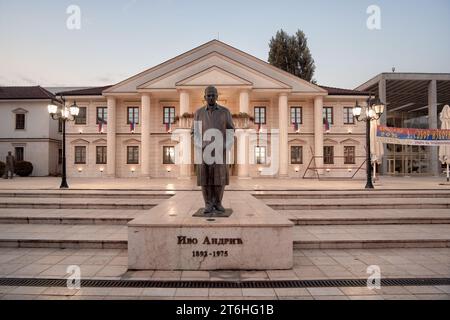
[(259, 128), (100, 126), (132, 126), (296, 127), (326, 125), (168, 127)]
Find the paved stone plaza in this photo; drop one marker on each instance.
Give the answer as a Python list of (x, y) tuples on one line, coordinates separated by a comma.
[(340, 230)]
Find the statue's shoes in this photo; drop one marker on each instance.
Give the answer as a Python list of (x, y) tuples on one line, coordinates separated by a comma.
[(208, 210), (219, 208)]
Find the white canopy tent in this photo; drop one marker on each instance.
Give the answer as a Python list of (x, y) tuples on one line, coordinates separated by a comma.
[(444, 150), (376, 147)]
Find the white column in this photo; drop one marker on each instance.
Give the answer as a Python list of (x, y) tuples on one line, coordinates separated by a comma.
[(244, 101), (145, 135), (185, 140), (283, 137), (318, 131), (111, 137), (433, 124), (184, 102), (242, 138), (383, 121)]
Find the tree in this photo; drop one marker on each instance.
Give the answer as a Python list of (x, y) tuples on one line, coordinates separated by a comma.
[(291, 54)]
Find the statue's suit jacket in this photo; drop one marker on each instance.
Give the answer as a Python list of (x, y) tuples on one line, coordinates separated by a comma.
[(217, 117)]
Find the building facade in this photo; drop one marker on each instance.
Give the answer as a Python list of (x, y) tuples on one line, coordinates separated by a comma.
[(27, 130), (125, 130), (413, 100)]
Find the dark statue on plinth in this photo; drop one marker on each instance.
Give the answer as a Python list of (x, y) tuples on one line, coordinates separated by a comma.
[(212, 171)]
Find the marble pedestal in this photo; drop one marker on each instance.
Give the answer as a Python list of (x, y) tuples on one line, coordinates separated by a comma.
[(168, 237)]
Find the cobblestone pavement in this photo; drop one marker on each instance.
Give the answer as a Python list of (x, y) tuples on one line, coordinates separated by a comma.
[(309, 264)]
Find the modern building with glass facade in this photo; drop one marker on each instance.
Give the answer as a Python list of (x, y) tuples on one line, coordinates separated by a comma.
[(413, 100)]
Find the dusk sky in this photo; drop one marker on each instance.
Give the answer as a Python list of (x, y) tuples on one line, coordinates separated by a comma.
[(120, 38)]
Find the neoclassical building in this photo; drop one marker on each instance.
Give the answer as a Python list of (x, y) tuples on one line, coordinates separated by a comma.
[(125, 130)]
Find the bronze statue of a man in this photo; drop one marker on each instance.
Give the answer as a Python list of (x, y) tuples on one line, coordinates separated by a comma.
[(213, 175), (9, 166)]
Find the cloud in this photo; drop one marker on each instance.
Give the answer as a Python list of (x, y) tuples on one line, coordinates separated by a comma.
[(128, 5)]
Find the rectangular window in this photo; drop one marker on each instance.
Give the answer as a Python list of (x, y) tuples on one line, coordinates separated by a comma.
[(60, 156), (133, 155), (20, 121), (60, 125), (260, 115), (296, 155), (102, 115), (260, 155), (169, 115), (81, 117), (101, 155), (19, 152), (296, 115), (168, 155), (80, 155), (133, 115), (328, 114), (349, 155), (348, 115), (328, 155)]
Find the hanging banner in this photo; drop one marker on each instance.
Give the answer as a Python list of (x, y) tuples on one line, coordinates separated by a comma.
[(413, 137)]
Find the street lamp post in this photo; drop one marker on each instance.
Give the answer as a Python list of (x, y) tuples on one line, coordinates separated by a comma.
[(63, 113), (372, 111)]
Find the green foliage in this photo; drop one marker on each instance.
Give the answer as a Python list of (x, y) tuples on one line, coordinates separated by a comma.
[(23, 168), (291, 54)]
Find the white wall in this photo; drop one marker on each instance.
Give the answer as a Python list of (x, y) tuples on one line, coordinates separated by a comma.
[(40, 138)]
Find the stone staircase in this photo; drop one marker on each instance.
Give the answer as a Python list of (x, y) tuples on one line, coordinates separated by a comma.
[(324, 219), (71, 219), (365, 219)]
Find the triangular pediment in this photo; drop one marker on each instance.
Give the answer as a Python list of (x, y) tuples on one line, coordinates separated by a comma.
[(20, 110), (329, 141), (200, 64), (99, 141), (350, 141), (214, 69), (80, 141), (298, 141), (215, 76), (131, 141)]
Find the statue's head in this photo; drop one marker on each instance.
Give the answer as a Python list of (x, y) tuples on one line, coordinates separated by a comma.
[(9, 153), (211, 95)]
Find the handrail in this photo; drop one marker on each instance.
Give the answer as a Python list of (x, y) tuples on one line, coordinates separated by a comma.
[(316, 168)]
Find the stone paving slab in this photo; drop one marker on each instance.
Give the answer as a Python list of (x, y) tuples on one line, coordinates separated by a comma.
[(77, 203), (371, 236), (335, 236), (308, 264), (63, 236), (373, 216), (384, 182), (369, 203), (67, 216)]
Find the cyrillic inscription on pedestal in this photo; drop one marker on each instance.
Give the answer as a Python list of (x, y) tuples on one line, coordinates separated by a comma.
[(169, 238)]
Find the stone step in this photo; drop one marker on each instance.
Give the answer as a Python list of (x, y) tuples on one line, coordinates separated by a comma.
[(345, 194), (299, 217), (106, 194), (366, 217), (79, 203), (366, 204), (63, 236), (68, 216), (372, 236), (305, 237)]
